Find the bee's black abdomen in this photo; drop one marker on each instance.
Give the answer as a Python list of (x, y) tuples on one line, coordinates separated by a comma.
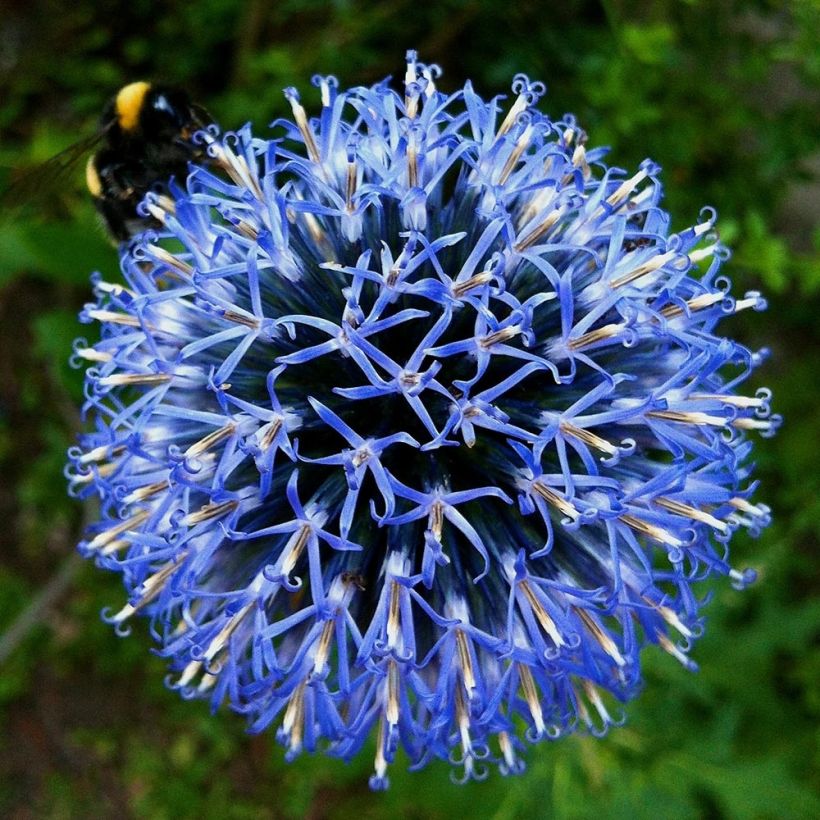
[(118, 221)]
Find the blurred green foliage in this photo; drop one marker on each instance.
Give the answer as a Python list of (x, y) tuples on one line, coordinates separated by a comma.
[(725, 95)]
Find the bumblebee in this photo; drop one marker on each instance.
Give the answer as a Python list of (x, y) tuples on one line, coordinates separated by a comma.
[(144, 138), (146, 134)]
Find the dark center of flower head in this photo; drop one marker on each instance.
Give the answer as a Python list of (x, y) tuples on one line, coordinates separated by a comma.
[(412, 422)]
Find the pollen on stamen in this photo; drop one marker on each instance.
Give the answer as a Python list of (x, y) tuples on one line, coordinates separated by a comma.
[(588, 437), (694, 513), (219, 642), (601, 334), (697, 303), (532, 699), (689, 417), (101, 453), (557, 501), (543, 618), (461, 288), (124, 379), (209, 511), (111, 317), (149, 590), (651, 530), (603, 638), (160, 254), (648, 267), (147, 491), (111, 533), (211, 440), (300, 117), (675, 652), (540, 231), (466, 663)]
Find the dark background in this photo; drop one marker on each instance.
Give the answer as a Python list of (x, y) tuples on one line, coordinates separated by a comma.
[(725, 95)]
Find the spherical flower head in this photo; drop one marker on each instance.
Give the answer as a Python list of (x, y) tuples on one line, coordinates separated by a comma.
[(411, 422)]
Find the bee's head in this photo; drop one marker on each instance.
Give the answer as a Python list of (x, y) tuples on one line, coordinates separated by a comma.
[(155, 112)]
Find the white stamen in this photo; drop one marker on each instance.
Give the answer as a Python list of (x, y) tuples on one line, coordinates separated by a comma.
[(105, 537), (599, 335), (208, 512), (588, 437), (391, 709), (219, 642), (121, 379), (459, 289), (323, 648), (113, 317), (735, 401), (531, 696), (697, 303), (650, 266), (211, 440), (547, 624), (595, 699), (745, 506), (92, 355), (671, 617), (558, 501), (688, 417), (293, 719), (533, 236), (393, 617), (503, 335), (146, 491), (645, 528), (607, 644), (626, 188), (101, 452), (303, 125), (466, 662), (518, 149), (691, 512), (674, 651), (699, 254), (519, 106), (150, 589)]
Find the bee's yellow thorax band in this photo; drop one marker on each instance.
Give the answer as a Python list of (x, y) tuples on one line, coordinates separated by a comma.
[(92, 178), (128, 104)]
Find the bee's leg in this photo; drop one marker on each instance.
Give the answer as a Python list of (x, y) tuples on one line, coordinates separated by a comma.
[(119, 195)]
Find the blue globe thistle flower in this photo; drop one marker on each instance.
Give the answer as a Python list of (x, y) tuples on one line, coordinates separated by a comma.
[(413, 423)]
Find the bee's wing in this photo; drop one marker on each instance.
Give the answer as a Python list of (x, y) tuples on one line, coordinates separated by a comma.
[(36, 184)]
